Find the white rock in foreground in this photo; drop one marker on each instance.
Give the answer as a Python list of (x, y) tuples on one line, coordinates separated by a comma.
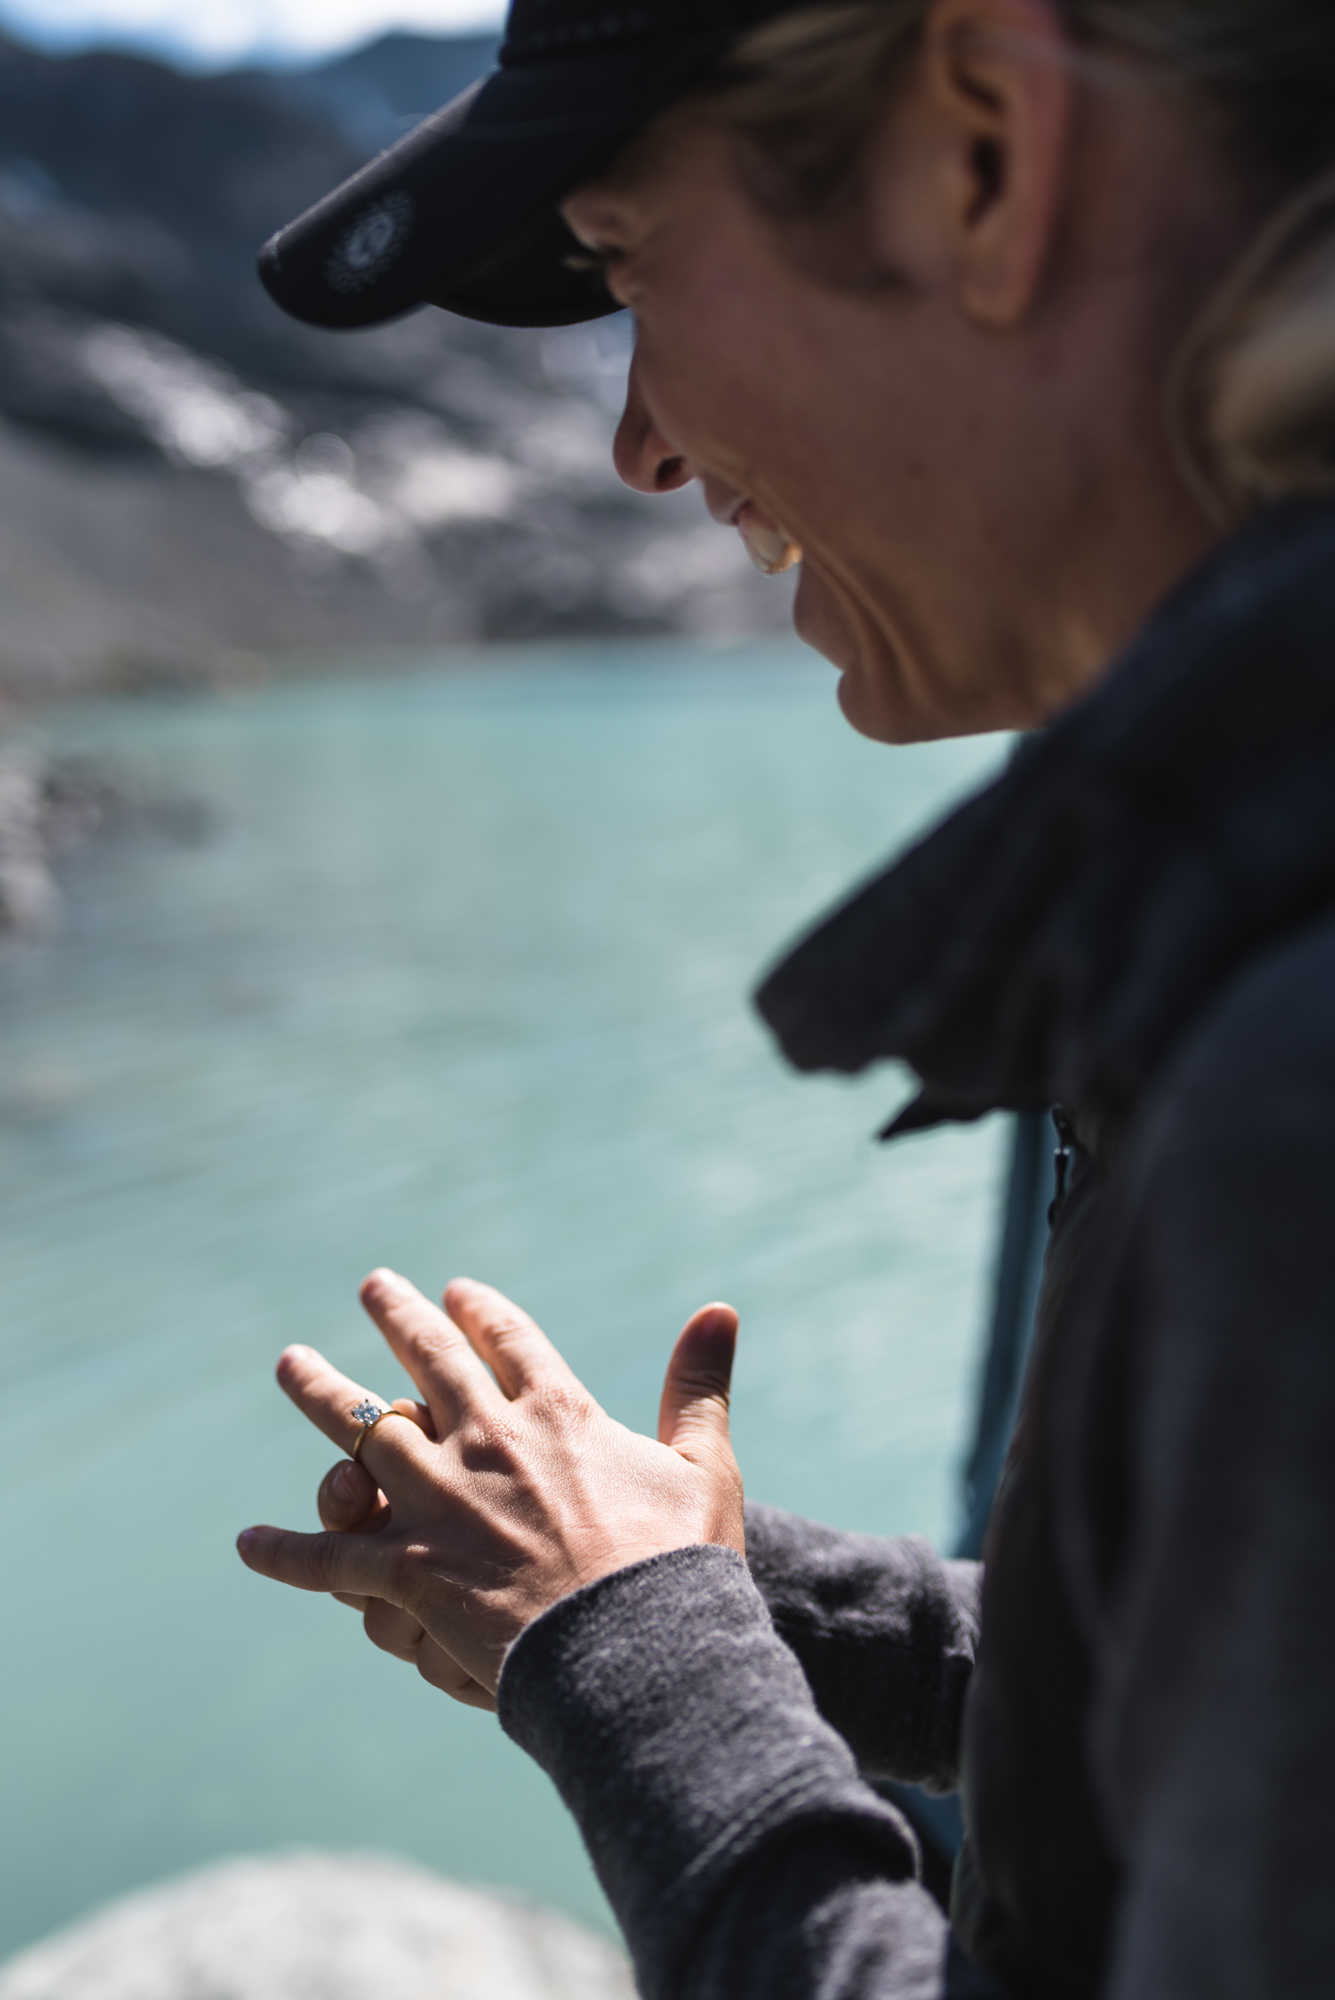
[(318, 1927)]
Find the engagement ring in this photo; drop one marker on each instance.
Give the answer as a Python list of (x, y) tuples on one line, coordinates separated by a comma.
[(367, 1413)]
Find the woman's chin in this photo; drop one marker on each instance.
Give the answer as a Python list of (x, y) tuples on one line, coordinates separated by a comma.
[(818, 619), (878, 719)]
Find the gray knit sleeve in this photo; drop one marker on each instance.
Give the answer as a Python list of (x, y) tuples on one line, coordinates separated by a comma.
[(742, 1855), (885, 1632)]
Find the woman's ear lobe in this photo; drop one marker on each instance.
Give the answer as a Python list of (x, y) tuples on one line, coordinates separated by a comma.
[(997, 72)]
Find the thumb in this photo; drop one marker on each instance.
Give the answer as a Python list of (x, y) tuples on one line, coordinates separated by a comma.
[(693, 1415)]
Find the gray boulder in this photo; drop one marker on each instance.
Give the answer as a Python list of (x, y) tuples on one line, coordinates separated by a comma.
[(309, 1926)]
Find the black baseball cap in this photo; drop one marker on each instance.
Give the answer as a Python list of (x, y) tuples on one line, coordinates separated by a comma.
[(463, 212)]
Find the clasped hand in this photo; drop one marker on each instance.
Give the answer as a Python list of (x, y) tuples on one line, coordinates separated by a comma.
[(507, 1488)]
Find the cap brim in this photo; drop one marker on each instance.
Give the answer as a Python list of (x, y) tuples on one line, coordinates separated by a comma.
[(463, 212)]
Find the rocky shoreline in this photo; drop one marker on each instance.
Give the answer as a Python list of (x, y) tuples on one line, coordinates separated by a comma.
[(52, 805)]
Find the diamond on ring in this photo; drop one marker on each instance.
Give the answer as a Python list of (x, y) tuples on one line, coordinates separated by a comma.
[(367, 1412)]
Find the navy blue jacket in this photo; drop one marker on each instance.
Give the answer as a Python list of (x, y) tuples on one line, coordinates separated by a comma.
[(1136, 922)]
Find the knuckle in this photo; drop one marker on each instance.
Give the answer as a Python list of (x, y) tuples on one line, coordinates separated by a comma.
[(435, 1343), (411, 1569), (417, 1583), (561, 1404), (504, 1328), (701, 1385), (440, 1671), (391, 1630), (320, 1562), (489, 1443)]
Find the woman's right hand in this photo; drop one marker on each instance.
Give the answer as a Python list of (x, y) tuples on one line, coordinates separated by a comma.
[(350, 1503)]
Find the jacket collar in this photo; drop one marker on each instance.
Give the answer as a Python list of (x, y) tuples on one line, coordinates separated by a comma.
[(1050, 940)]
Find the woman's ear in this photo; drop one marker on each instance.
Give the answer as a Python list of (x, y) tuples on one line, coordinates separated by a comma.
[(989, 117)]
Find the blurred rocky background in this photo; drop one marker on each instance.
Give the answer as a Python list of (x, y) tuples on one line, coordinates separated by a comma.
[(192, 486)]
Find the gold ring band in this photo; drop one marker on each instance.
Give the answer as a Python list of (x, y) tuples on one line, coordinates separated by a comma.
[(368, 1415)]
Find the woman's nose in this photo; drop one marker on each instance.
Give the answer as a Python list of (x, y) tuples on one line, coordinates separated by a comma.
[(642, 455)]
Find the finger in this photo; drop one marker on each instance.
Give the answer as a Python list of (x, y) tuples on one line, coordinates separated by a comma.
[(400, 1634), (346, 1597), (431, 1348), (392, 1630), (328, 1398), (513, 1346), (441, 1670), (420, 1415), (693, 1415), (352, 1565), (348, 1500)]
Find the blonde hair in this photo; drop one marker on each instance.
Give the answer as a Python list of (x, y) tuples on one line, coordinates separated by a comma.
[(1253, 396)]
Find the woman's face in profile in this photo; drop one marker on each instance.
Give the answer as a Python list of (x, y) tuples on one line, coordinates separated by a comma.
[(978, 478), (746, 376)]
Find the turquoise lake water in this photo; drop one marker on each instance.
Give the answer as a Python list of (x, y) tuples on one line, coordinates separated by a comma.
[(457, 981)]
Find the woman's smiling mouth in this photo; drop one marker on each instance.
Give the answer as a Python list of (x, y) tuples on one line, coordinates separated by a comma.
[(770, 547)]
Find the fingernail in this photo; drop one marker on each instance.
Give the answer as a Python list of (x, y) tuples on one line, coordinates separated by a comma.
[(382, 1280), (719, 1324), (245, 1541), (347, 1480)]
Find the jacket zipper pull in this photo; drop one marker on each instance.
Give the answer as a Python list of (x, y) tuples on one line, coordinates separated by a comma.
[(1061, 1161)]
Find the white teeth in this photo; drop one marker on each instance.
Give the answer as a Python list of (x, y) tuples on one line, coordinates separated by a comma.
[(770, 549)]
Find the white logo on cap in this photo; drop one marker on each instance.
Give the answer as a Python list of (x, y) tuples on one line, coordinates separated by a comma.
[(369, 245)]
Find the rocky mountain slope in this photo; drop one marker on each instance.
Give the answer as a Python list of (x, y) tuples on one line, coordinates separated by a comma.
[(188, 479)]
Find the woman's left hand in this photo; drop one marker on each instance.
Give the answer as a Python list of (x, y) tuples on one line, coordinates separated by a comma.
[(527, 1490)]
